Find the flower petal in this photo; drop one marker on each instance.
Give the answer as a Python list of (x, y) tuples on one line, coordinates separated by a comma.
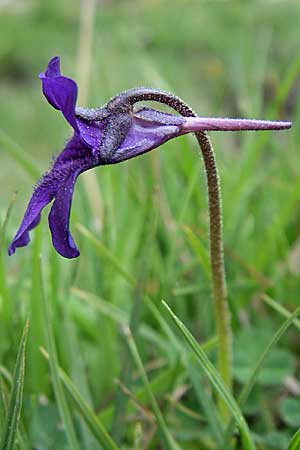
[(59, 216), (57, 183), (53, 67), (91, 132), (149, 129), (74, 149), (42, 195), (60, 91)]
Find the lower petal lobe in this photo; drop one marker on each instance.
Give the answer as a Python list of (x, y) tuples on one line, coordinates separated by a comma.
[(59, 217), (57, 183), (41, 196)]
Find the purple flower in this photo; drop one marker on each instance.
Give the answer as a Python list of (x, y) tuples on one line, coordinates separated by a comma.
[(107, 135)]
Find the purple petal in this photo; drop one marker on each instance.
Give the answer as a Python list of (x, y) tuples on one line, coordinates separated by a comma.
[(53, 67), (60, 91), (59, 217), (91, 132), (58, 183), (42, 195), (74, 149), (193, 124), (149, 129)]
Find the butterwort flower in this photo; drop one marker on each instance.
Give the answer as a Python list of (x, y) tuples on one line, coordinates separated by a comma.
[(108, 135)]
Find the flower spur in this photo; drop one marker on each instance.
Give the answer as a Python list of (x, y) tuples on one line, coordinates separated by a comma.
[(107, 135)]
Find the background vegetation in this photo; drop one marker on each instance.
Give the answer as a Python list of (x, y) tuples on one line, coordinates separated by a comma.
[(142, 226)]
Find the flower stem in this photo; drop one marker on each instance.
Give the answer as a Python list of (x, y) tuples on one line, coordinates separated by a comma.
[(222, 313), (221, 308)]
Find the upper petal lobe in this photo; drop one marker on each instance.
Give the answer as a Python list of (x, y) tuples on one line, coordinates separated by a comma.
[(60, 91)]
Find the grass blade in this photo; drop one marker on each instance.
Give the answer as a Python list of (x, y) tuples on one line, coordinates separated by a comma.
[(37, 369), (119, 316), (19, 155), (118, 423), (4, 394), (159, 386), (201, 395), (15, 402), (3, 407), (106, 253), (4, 292), (57, 387), (206, 402), (291, 319), (166, 435), (216, 380), (6, 218), (199, 250), (248, 387), (295, 442), (280, 309), (92, 421), (77, 369), (104, 307)]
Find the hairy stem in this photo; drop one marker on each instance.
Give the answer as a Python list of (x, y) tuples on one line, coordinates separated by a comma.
[(221, 308), (222, 313)]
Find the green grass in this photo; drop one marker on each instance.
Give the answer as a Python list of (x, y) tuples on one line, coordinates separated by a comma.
[(143, 234)]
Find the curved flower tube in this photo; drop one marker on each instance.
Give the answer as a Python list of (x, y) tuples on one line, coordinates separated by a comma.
[(107, 135)]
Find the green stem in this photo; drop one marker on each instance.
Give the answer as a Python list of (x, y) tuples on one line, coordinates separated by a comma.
[(222, 313)]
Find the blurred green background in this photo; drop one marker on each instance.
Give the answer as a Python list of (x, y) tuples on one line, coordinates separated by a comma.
[(149, 215), (225, 58)]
